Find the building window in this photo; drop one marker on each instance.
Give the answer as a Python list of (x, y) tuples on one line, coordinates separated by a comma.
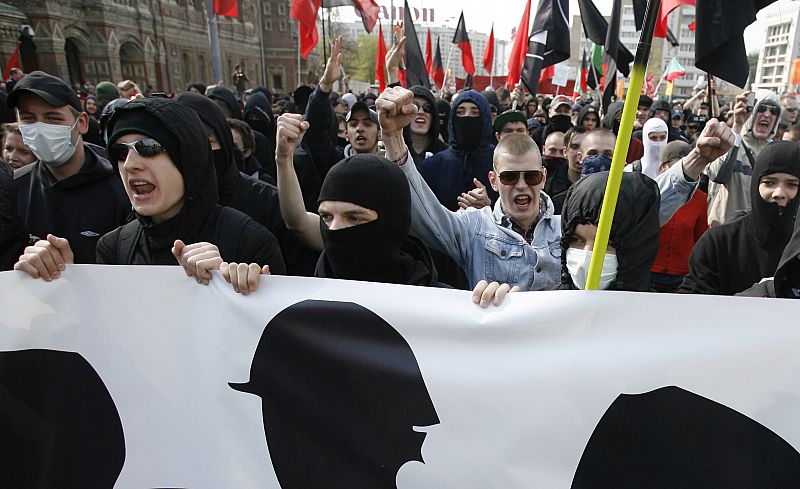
[(267, 10), (268, 24), (281, 9), (277, 82), (282, 25)]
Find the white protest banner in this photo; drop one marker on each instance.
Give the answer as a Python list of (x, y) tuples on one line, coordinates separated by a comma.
[(561, 75), (137, 377)]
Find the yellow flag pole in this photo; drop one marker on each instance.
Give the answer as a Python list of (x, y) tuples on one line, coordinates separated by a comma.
[(621, 147)]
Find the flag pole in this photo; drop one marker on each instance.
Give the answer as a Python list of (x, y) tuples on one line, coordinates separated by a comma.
[(623, 142), (446, 71), (324, 37)]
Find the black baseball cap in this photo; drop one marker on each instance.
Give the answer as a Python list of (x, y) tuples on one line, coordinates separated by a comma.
[(362, 106), (51, 89), (508, 116)]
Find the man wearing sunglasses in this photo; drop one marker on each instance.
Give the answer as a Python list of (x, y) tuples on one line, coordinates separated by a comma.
[(729, 176), (72, 190), (518, 242), (423, 132)]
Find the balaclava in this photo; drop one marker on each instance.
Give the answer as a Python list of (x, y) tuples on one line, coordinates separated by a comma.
[(771, 227), (651, 160), (369, 251)]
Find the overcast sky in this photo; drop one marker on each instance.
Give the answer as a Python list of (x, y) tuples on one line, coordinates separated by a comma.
[(506, 14)]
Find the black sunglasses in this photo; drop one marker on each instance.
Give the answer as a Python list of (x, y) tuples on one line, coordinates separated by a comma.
[(427, 108), (511, 177), (146, 148), (763, 108)]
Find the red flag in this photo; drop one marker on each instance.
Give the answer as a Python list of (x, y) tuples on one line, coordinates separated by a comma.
[(226, 8), (547, 73), (13, 62), (438, 67), (693, 25), (668, 6), (403, 79), (428, 54), (380, 62), (488, 56), (305, 12), (520, 49), (461, 39), (584, 83), (367, 10)]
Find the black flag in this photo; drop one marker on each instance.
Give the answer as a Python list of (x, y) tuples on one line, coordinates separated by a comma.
[(549, 40), (611, 47), (416, 74), (596, 29), (719, 47)]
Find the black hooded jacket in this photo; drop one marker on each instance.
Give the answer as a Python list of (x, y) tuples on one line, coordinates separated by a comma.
[(255, 198), (80, 208), (143, 242), (786, 282), (13, 236), (587, 110), (435, 145), (258, 114), (730, 258), (610, 122), (634, 231), (222, 93)]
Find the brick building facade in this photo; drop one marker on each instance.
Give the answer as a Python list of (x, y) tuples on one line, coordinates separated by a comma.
[(160, 43)]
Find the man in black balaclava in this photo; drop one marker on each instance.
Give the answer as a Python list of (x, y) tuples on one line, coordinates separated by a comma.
[(560, 119), (258, 114), (226, 101), (364, 216), (732, 257)]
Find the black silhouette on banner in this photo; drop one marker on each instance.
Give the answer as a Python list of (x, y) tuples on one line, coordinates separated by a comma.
[(671, 438), (59, 427), (341, 392)]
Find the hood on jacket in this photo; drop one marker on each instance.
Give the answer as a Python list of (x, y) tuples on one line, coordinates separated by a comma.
[(634, 231), (771, 98), (258, 115), (608, 122), (433, 131), (787, 277), (771, 228), (589, 109), (196, 164), (486, 117), (214, 119), (222, 93)]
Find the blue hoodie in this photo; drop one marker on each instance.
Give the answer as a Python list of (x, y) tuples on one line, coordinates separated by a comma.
[(450, 172)]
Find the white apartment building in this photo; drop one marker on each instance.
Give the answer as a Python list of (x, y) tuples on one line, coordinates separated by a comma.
[(781, 46)]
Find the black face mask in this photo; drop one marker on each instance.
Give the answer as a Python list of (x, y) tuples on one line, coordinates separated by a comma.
[(468, 132), (615, 127), (561, 122), (553, 163), (341, 142), (221, 163), (364, 252)]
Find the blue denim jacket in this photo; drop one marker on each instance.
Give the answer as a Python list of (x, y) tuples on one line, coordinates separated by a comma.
[(481, 240), (482, 243)]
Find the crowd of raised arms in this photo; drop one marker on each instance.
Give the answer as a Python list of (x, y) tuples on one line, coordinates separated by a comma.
[(494, 192)]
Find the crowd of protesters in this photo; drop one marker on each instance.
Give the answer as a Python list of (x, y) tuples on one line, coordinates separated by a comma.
[(490, 191)]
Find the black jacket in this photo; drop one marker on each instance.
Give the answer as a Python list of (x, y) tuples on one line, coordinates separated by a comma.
[(13, 237), (556, 187), (225, 95), (258, 114), (320, 139), (730, 258), (148, 243), (786, 282), (634, 231), (423, 272), (80, 208), (255, 198), (435, 145)]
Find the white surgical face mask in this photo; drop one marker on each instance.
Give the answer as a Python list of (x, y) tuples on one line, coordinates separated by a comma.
[(578, 265), (51, 143)]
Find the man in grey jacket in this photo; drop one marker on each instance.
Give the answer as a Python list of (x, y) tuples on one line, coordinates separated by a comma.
[(518, 242)]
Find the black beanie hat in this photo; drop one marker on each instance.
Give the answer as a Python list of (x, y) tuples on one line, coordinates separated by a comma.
[(372, 182), (139, 121)]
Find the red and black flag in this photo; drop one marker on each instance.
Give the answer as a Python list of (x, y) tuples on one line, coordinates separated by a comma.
[(612, 45), (428, 53), (461, 39), (438, 67), (305, 12), (368, 10), (488, 55), (596, 29), (719, 45), (416, 74), (549, 40), (583, 83), (380, 61), (639, 10)]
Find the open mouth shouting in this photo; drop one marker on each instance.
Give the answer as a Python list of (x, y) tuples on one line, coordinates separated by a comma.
[(523, 202), (142, 189)]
